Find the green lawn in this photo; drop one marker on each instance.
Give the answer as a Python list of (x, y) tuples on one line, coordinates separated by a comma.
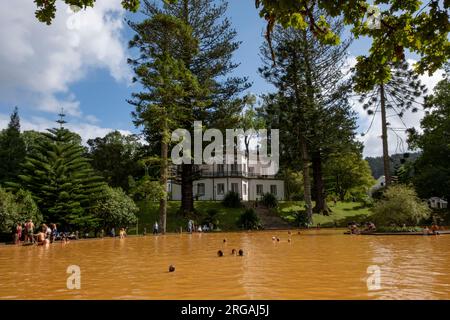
[(149, 213), (343, 213)]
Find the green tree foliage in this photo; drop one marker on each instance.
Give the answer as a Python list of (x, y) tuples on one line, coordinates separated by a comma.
[(269, 200), (12, 149), (232, 200), (432, 169), (17, 208), (147, 189), (9, 211), (250, 120), (31, 139), (115, 209), (400, 205), (249, 220), (404, 25), (219, 105), (401, 91), (115, 157), (61, 179), (46, 9), (311, 106), (160, 107), (293, 182), (347, 174), (397, 160)]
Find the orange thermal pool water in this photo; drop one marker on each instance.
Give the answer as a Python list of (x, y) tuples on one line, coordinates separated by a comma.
[(318, 264)]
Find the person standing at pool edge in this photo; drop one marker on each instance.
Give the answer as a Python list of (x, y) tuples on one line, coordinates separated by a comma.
[(156, 228), (18, 233), (29, 226)]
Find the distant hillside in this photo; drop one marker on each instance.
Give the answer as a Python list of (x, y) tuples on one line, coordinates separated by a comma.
[(376, 163)]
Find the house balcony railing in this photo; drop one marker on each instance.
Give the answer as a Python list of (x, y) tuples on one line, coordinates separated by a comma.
[(234, 174)]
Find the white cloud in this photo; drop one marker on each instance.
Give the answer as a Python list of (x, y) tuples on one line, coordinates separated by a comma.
[(39, 63), (92, 119), (396, 140), (85, 130)]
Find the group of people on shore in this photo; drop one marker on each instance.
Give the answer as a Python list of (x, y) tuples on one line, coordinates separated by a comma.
[(193, 227), (27, 233), (355, 228), (434, 229), (369, 227)]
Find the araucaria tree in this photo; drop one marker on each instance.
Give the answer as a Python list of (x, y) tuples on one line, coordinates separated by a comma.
[(166, 83), (12, 149), (311, 103), (61, 179), (218, 105), (393, 98)]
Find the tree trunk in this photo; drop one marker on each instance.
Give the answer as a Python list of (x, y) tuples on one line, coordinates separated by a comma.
[(187, 189), (163, 182), (384, 137), (319, 186), (306, 179), (187, 186)]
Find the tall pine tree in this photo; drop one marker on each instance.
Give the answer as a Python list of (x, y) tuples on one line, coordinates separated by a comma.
[(212, 65), (167, 82), (12, 149), (61, 179), (311, 103)]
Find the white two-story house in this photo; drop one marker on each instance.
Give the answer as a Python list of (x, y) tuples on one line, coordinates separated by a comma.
[(215, 181)]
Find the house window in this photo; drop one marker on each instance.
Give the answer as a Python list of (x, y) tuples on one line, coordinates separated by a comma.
[(235, 187), (201, 189), (234, 167), (220, 168), (244, 191), (259, 189), (220, 188), (273, 189)]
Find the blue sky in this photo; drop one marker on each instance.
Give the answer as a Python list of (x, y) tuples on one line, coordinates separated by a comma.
[(84, 68)]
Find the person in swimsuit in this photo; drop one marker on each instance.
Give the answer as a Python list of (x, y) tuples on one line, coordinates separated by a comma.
[(18, 233), (29, 226), (41, 237), (53, 232)]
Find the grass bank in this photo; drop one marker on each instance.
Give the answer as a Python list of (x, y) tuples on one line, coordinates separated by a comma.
[(342, 213), (149, 213)]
